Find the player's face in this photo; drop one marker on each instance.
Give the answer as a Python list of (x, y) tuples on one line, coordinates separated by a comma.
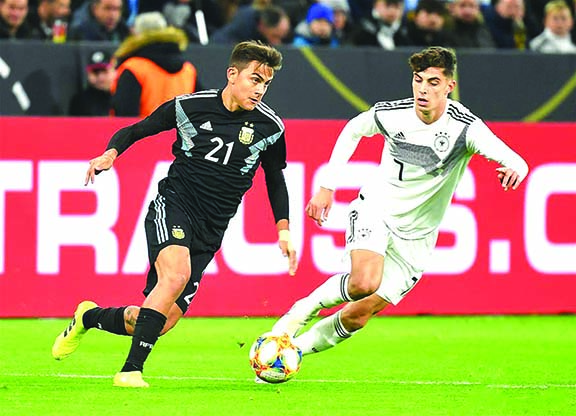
[(431, 88), (248, 86)]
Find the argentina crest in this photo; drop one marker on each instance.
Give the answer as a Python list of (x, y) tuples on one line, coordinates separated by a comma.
[(246, 134), (178, 232)]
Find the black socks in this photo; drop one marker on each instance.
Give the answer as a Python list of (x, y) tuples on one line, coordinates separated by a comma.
[(106, 319), (147, 330)]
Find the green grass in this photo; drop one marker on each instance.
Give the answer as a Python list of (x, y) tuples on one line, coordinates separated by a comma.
[(396, 366)]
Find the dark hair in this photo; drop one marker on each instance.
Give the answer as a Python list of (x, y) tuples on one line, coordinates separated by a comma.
[(271, 16), (434, 56), (390, 2), (254, 50), (431, 6)]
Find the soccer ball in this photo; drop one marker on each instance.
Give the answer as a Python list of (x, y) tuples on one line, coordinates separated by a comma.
[(274, 358)]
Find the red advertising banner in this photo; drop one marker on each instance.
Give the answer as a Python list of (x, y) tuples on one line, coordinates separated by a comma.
[(62, 242)]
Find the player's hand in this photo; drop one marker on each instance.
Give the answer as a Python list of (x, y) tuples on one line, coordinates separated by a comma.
[(509, 178), (319, 206), (285, 244), (97, 165)]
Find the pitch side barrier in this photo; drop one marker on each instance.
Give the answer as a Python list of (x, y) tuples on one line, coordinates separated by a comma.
[(62, 242), (38, 78)]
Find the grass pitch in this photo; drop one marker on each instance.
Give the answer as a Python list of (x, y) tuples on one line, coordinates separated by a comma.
[(414, 366)]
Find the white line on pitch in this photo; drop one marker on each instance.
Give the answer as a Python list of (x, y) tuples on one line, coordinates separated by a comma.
[(403, 382)]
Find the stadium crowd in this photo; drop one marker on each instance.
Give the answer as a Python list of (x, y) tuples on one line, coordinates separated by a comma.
[(150, 36), (538, 25)]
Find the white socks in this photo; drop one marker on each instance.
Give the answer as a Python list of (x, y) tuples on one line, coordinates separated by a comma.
[(332, 292), (323, 335)]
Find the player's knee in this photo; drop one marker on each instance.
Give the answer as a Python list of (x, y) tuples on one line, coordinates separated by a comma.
[(362, 286), (173, 267), (174, 282)]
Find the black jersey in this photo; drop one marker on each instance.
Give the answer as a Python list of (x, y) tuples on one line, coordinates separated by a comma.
[(216, 154)]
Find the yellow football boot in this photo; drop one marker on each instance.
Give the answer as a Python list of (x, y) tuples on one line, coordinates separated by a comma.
[(130, 379), (67, 342)]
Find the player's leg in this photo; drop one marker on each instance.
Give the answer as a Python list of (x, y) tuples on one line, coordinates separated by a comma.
[(173, 270), (340, 326), (366, 236), (199, 260), (332, 292), (363, 280), (127, 320), (404, 267), (326, 333), (115, 320), (168, 235)]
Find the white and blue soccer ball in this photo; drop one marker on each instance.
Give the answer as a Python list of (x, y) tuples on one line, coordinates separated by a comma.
[(274, 358)]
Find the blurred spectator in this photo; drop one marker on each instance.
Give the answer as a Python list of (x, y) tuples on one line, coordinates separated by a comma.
[(96, 98), (558, 22), (535, 8), (380, 28), (145, 6), (99, 20), (182, 14), (317, 29), (360, 9), (343, 25), (467, 28), (49, 13), (295, 9), (13, 24), (269, 24), (151, 67), (510, 26), (426, 28)]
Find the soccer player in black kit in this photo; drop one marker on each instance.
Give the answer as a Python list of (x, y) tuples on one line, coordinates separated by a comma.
[(222, 138)]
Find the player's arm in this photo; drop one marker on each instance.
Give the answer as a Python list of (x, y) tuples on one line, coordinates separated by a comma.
[(163, 118), (513, 168), (278, 196), (363, 125)]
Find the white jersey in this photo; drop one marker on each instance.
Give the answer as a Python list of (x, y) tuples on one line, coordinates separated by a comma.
[(421, 164)]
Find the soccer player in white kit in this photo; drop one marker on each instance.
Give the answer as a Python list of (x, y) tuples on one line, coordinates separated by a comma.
[(393, 224)]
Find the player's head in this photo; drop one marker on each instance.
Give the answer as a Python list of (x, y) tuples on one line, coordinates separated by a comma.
[(434, 56), (433, 78), (250, 72), (246, 52)]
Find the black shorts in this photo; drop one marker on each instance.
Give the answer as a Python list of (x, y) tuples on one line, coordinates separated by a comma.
[(167, 224)]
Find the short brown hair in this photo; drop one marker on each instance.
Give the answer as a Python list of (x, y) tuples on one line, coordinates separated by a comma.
[(252, 50), (434, 56)]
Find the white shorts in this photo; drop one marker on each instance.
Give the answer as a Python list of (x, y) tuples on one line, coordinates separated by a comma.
[(404, 260)]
